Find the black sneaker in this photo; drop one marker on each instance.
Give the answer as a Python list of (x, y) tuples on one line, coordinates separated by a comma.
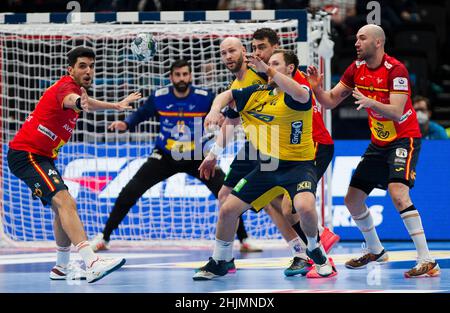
[(323, 266), (211, 270), (230, 266), (317, 256), (298, 266)]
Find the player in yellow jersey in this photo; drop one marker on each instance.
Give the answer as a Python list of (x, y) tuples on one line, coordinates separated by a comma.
[(281, 118), (233, 56)]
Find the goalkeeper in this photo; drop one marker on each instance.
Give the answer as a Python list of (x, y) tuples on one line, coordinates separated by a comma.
[(180, 109)]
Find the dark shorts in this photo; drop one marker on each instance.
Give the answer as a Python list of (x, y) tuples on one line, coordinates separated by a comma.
[(324, 155), (38, 172), (394, 163), (258, 187), (244, 162)]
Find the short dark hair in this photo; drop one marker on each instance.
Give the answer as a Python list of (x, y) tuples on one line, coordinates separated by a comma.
[(269, 33), (422, 98), (289, 58), (79, 52), (178, 64)]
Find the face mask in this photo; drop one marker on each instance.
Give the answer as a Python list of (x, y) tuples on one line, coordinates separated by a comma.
[(422, 117)]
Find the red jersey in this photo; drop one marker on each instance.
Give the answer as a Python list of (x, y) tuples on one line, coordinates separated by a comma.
[(390, 77), (320, 132), (50, 125)]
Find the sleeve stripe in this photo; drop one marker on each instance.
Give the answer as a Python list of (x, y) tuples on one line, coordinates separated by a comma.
[(400, 92), (345, 84)]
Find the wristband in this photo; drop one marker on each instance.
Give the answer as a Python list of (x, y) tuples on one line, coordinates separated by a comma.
[(78, 104), (216, 149)]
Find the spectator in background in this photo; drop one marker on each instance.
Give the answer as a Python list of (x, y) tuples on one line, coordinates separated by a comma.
[(341, 10), (285, 4), (429, 129), (240, 5), (407, 10)]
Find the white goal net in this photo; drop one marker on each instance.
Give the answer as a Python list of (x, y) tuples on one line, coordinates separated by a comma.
[(96, 163)]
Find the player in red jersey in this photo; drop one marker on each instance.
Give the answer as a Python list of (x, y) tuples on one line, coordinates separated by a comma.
[(380, 84), (32, 153)]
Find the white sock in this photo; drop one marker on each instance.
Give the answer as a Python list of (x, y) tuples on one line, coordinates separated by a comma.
[(62, 256), (223, 250), (365, 225), (312, 243), (413, 224), (297, 247), (86, 252)]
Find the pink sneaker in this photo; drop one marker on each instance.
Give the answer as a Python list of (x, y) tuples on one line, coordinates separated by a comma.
[(319, 270), (328, 239)]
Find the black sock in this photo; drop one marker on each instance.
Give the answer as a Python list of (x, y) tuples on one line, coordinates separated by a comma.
[(300, 232)]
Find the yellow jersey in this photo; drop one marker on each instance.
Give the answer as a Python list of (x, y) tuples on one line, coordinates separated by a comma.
[(250, 78), (276, 124)]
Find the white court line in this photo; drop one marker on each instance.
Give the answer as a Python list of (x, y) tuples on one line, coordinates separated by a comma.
[(29, 258), (328, 291)]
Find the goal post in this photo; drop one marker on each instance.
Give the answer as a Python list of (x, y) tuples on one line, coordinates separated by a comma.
[(96, 164)]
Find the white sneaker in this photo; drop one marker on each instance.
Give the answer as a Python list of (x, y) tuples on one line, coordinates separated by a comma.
[(102, 267), (73, 271), (99, 244)]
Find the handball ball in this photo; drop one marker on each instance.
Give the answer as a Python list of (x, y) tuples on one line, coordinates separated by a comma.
[(143, 46)]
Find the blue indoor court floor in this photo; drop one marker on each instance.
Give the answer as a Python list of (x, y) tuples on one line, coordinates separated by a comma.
[(170, 270)]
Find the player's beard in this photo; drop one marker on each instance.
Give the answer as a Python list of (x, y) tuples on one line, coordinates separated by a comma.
[(83, 83), (181, 86), (238, 66)]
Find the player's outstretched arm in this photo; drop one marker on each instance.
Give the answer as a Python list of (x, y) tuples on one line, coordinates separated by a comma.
[(214, 116), (208, 167), (90, 104), (329, 99), (285, 83)]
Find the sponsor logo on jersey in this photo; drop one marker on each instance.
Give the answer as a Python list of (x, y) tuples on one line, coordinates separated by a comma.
[(304, 185), (47, 132), (405, 116), (162, 92), (156, 155), (262, 87), (52, 172), (240, 184), (400, 160), (68, 128), (262, 117), (401, 152), (387, 65), (401, 83), (359, 63), (37, 192), (296, 132), (201, 92)]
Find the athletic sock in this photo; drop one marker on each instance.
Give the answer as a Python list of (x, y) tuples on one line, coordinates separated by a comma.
[(364, 222), (87, 254), (300, 232), (297, 248), (62, 256), (411, 219), (312, 243), (223, 250)]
